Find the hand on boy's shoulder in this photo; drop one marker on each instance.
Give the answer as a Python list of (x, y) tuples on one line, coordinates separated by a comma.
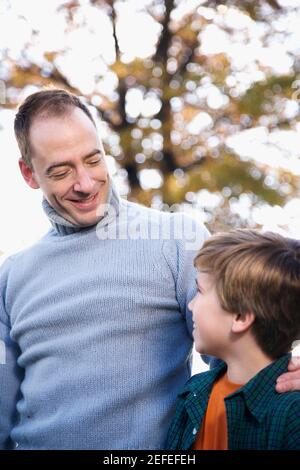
[(290, 381)]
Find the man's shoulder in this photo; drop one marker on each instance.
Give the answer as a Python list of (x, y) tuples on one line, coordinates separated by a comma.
[(7, 260), (188, 232), (10, 259), (162, 215), (135, 208)]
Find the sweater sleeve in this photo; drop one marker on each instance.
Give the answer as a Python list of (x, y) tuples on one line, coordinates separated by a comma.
[(10, 373)]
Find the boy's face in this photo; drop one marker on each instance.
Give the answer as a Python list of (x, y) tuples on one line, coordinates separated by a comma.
[(212, 324)]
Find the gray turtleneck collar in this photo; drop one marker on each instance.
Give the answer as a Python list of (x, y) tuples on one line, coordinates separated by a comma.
[(65, 227)]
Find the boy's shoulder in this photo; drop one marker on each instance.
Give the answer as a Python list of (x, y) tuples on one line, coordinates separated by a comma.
[(283, 417), (285, 403)]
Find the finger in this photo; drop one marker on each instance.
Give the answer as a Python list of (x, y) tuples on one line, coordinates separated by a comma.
[(294, 363), (288, 386), (293, 375)]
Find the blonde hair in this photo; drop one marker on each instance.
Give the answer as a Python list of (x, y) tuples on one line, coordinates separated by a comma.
[(259, 273)]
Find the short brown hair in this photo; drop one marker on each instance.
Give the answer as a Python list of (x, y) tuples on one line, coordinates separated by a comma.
[(259, 273), (47, 103)]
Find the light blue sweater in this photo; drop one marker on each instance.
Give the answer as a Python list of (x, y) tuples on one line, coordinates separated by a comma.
[(96, 331)]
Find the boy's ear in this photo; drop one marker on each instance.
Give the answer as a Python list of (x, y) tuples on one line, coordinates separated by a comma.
[(242, 323), (28, 174)]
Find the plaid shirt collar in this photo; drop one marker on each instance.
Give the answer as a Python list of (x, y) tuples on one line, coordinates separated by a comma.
[(257, 393)]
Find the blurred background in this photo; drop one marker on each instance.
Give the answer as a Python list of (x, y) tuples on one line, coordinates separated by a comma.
[(197, 103)]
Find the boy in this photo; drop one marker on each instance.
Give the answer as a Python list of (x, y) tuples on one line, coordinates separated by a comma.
[(246, 312)]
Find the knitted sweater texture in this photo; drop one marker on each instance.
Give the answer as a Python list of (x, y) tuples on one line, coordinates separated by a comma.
[(95, 331)]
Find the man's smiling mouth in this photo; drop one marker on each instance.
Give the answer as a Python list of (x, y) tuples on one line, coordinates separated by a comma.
[(88, 203)]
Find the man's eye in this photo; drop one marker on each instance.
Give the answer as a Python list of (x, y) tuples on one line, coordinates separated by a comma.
[(94, 162), (60, 175)]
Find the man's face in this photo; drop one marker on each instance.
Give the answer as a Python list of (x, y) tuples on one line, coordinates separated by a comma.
[(68, 165)]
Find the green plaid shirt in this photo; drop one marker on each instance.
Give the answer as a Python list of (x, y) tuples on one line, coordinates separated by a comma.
[(257, 416)]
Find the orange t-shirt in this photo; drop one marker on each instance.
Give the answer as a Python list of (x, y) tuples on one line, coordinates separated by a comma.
[(213, 432)]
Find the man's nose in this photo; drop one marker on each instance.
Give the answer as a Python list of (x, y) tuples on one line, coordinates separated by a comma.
[(84, 182)]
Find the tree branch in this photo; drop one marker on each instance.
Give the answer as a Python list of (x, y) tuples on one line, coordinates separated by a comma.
[(161, 54)]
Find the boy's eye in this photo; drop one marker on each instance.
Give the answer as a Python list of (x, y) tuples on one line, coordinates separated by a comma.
[(197, 287)]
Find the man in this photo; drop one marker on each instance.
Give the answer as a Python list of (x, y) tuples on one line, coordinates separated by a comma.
[(93, 317)]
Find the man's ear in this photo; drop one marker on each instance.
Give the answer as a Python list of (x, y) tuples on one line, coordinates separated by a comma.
[(242, 323), (28, 174)]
